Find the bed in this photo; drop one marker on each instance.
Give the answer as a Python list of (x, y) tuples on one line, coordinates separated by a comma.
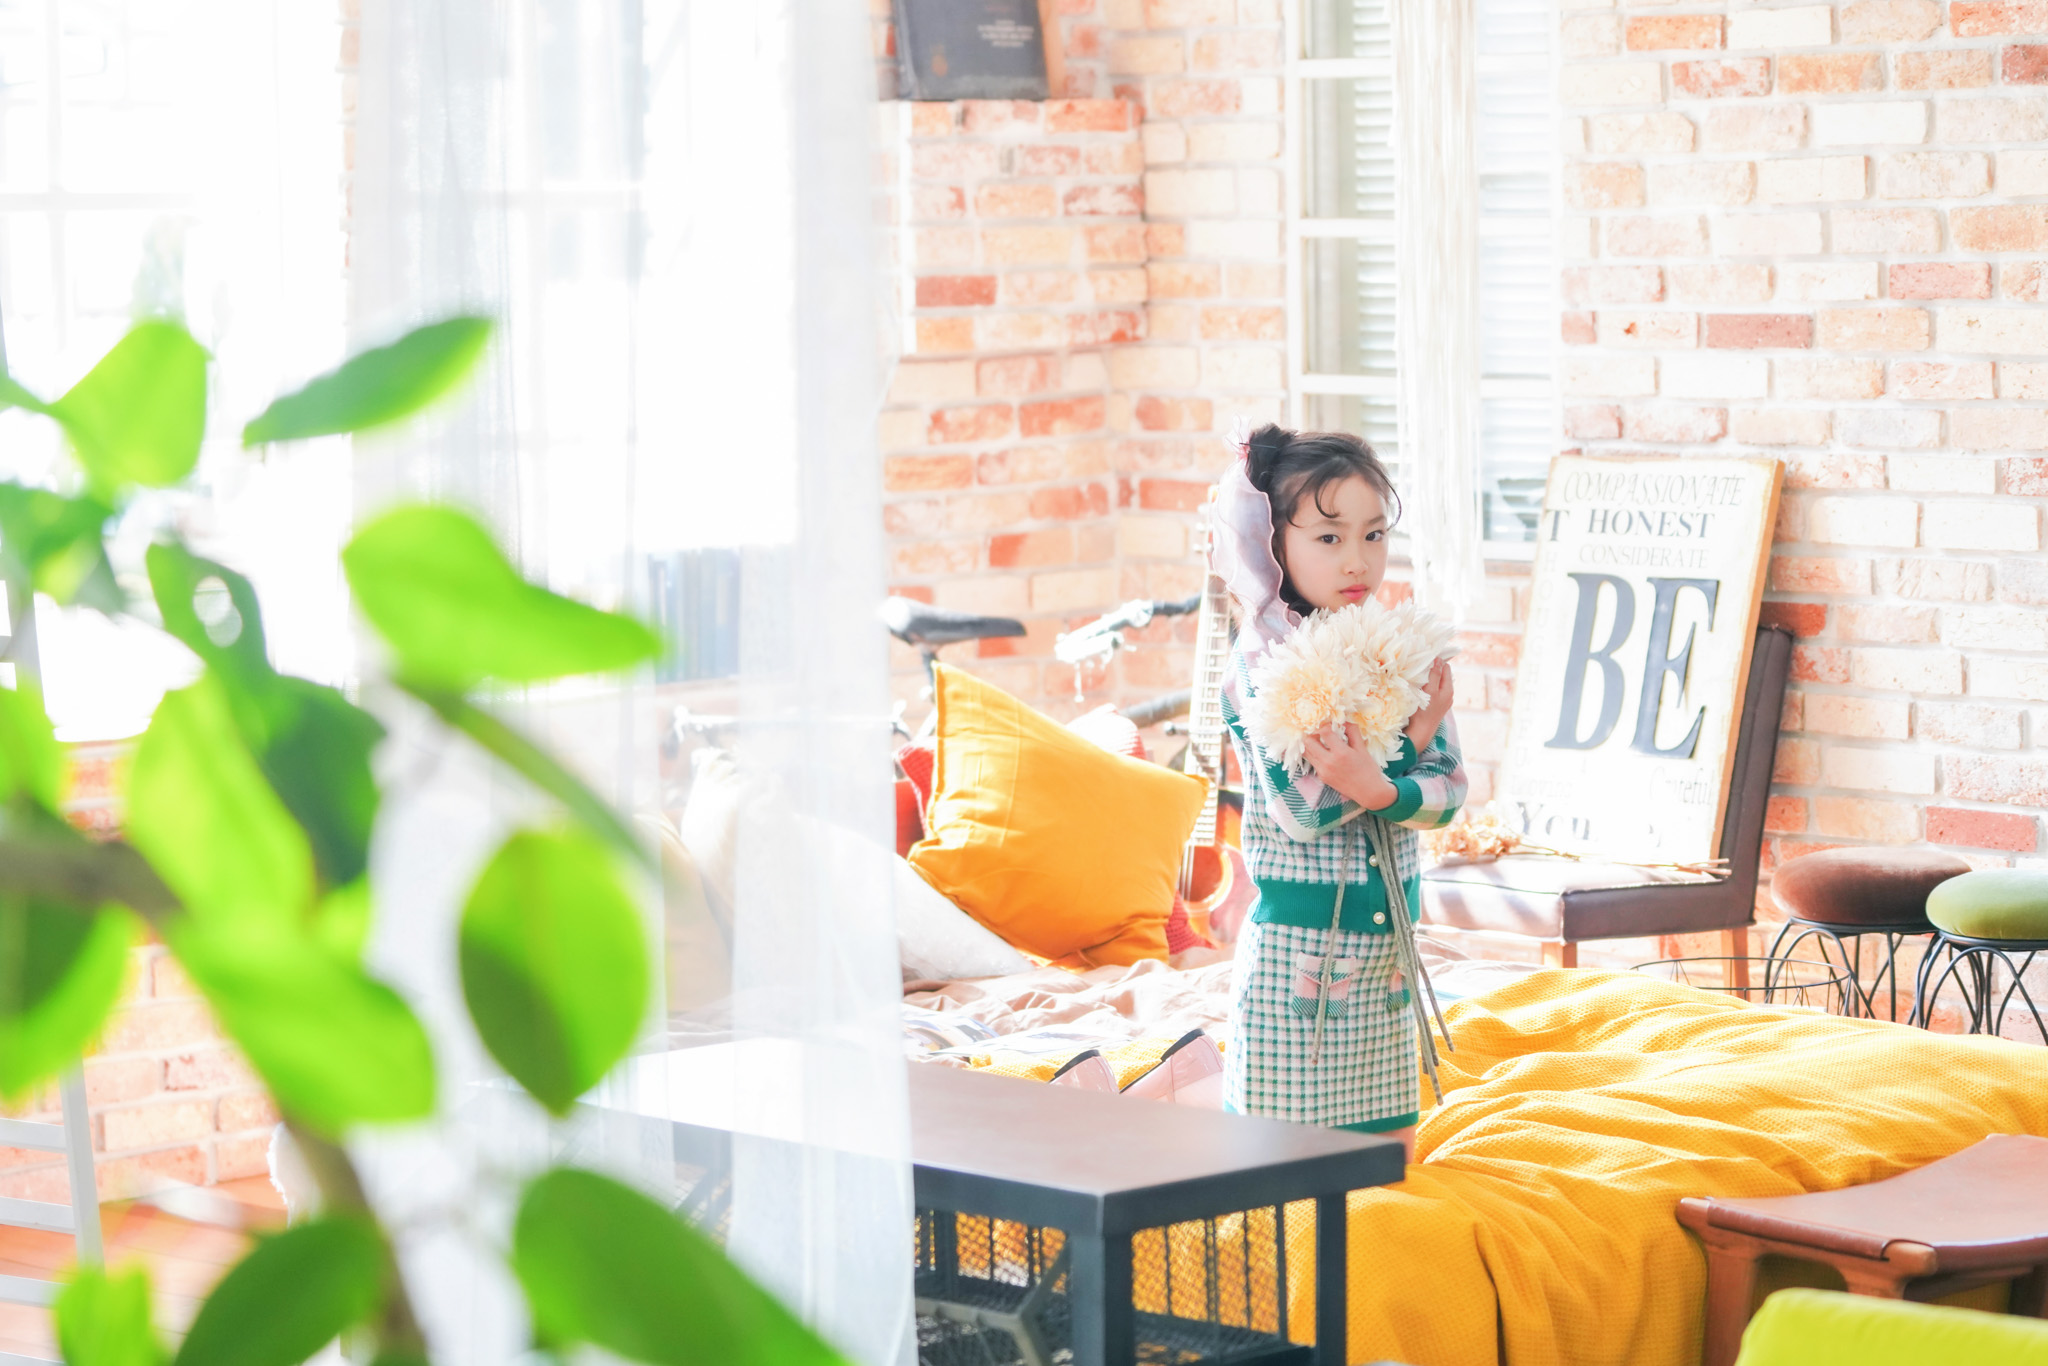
[(1580, 1106), (1538, 1226)]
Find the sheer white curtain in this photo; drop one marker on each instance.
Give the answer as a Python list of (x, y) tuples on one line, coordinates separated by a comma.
[(1436, 310), (667, 203), (179, 159)]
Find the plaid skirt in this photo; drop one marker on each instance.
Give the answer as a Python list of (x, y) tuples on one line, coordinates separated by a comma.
[(1367, 1070)]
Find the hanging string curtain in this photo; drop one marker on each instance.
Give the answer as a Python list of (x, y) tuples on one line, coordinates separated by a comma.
[(666, 205), (1436, 311)]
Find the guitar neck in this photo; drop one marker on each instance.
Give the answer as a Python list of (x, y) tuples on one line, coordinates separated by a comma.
[(1205, 708)]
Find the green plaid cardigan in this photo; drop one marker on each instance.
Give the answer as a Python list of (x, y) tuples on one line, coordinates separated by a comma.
[(1296, 845)]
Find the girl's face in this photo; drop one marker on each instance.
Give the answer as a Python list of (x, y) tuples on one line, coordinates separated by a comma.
[(1335, 549)]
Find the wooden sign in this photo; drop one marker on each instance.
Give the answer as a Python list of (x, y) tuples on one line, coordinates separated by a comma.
[(970, 50), (1642, 613)]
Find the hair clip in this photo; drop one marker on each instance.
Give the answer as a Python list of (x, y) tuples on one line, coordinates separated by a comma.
[(1240, 437)]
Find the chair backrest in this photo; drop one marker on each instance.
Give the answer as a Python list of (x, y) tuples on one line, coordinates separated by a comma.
[(1756, 757)]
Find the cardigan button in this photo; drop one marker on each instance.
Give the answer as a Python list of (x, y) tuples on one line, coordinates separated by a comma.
[(1379, 917), (1373, 861)]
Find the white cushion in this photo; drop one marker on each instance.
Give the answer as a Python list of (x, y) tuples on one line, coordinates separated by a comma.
[(939, 942), (936, 940)]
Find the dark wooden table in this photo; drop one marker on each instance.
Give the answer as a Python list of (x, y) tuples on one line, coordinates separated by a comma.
[(1100, 1167), (1097, 1166)]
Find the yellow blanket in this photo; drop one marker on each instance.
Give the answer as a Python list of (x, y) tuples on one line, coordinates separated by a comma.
[(1579, 1107)]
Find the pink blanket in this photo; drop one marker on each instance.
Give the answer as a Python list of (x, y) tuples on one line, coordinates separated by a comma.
[(1146, 998), (1151, 998)]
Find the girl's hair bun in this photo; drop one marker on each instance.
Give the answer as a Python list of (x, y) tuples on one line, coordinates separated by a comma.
[(1262, 454)]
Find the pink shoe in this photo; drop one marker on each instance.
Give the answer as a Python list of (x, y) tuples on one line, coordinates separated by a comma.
[(1191, 1073), (1086, 1071)]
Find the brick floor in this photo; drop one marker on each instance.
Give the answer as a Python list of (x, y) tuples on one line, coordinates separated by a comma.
[(185, 1258)]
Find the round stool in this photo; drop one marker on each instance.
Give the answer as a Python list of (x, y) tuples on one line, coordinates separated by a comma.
[(1985, 921), (1837, 896)]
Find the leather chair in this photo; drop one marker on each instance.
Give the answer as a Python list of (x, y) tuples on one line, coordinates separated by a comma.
[(1565, 902)]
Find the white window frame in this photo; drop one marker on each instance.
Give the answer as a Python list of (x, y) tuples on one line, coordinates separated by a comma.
[(1302, 383)]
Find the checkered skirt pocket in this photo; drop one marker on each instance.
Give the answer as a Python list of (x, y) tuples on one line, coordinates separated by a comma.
[(1368, 1068)]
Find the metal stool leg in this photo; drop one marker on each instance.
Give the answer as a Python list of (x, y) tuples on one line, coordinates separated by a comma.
[(1980, 990), (2018, 987), (1924, 981), (1780, 956), (1775, 955), (1973, 965), (1959, 968), (1894, 940)]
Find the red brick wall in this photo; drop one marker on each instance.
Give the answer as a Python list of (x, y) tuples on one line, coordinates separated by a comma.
[(1023, 250), (1093, 291), (1816, 232), (170, 1100)]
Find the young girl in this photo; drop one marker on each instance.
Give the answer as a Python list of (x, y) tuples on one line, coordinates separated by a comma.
[(1303, 526)]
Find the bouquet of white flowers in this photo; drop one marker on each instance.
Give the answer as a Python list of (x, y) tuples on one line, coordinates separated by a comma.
[(1365, 663)]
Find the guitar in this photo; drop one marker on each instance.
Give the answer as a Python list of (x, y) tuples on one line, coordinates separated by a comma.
[(1214, 882)]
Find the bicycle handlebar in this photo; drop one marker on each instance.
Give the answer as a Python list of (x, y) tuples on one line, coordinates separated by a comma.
[(1105, 633)]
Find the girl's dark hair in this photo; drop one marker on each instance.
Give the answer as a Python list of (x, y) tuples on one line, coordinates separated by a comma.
[(1290, 466)]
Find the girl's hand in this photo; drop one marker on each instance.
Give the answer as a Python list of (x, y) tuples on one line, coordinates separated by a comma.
[(1422, 726), (1341, 761)]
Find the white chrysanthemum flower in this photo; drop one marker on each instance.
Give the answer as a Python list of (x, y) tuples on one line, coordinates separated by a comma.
[(1365, 663), (1381, 706), (1295, 693)]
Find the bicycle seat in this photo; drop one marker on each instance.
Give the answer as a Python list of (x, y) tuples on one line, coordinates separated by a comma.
[(920, 623)]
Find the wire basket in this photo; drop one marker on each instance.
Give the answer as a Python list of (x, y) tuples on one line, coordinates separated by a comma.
[(1805, 982), (994, 1292)]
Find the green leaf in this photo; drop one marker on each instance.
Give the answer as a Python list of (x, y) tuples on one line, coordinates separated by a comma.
[(61, 971), (30, 761), (232, 644), (378, 386), (554, 963), (138, 416), (292, 1295), (318, 761), (334, 1045), (455, 612), (103, 1319), (602, 1263), (201, 811), (341, 924), (12, 395), (312, 744), (57, 545)]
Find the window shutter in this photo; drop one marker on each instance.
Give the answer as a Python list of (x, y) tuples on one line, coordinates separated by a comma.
[(1345, 272)]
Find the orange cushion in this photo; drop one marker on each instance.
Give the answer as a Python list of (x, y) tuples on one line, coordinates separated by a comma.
[(1065, 850)]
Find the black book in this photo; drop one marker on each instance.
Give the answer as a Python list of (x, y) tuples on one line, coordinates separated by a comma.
[(969, 50)]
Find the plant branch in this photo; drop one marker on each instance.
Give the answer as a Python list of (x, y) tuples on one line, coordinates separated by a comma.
[(80, 873), (399, 1337), (535, 764)]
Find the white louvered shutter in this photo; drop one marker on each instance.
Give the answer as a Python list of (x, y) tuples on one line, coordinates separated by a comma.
[(1341, 236)]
